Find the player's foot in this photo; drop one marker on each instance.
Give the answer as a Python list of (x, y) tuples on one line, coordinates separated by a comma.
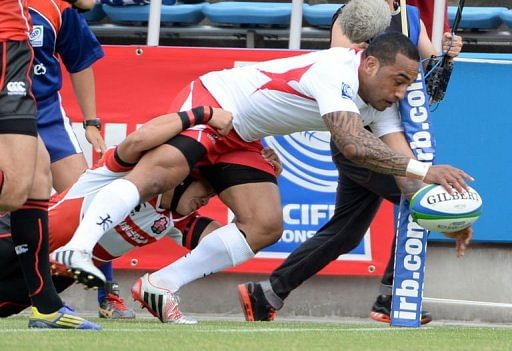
[(113, 306), (65, 318), (381, 311), (160, 302), (254, 304), (79, 264)]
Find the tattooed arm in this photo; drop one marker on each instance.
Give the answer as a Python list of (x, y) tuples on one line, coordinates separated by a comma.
[(362, 147), (396, 141), (365, 149)]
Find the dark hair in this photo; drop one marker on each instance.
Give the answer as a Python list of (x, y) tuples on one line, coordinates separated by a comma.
[(387, 45)]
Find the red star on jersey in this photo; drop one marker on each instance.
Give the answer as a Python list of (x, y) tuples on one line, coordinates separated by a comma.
[(280, 81)]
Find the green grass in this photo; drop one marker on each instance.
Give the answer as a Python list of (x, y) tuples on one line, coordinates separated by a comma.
[(228, 335)]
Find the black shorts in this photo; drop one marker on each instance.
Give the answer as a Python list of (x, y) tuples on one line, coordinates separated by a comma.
[(220, 175), (225, 175), (17, 104)]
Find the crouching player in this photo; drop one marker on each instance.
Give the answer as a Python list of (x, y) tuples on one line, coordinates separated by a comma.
[(147, 223)]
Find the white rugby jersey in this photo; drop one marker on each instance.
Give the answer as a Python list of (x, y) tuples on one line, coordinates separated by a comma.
[(145, 224), (289, 95)]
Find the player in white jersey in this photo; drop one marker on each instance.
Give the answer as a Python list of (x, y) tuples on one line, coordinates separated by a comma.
[(233, 164)]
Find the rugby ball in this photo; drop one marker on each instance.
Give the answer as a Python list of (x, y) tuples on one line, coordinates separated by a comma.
[(435, 209)]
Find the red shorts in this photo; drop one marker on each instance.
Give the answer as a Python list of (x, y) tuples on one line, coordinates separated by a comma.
[(219, 149)]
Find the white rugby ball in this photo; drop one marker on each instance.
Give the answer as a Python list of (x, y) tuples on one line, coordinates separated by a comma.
[(433, 208)]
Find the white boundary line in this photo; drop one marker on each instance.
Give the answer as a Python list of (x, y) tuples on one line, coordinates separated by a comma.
[(467, 302), (214, 330), (475, 60)]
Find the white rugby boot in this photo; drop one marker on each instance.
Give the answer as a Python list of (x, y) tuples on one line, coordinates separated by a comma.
[(79, 264), (160, 302)]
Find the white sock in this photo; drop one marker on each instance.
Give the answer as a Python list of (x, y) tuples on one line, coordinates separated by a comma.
[(222, 248), (111, 205)]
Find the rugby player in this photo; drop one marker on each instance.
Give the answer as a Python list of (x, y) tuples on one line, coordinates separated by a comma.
[(324, 90)]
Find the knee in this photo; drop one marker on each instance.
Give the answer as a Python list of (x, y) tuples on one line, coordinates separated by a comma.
[(347, 245), (14, 194), (262, 230)]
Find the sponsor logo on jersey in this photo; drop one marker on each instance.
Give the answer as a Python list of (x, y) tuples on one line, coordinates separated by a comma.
[(137, 238), (160, 225), (16, 88), (346, 91), (306, 158), (37, 36), (39, 69)]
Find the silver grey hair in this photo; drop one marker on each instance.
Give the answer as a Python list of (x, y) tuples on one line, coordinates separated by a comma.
[(363, 19)]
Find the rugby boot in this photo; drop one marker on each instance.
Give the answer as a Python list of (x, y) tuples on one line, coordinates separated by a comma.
[(79, 264), (160, 302), (113, 306), (254, 304), (381, 311), (64, 318)]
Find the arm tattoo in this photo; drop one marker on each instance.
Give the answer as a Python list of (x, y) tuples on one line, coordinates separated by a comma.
[(362, 147)]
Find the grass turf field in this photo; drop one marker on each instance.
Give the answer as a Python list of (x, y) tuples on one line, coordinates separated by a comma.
[(149, 334)]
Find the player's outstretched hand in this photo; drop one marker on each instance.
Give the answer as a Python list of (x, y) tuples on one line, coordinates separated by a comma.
[(462, 239), (271, 157), (93, 136), (222, 121), (449, 177)]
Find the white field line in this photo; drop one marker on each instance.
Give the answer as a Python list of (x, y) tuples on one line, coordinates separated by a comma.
[(467, 302), (213, 330)]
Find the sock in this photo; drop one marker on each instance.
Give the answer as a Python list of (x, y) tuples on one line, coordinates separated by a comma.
[(29, 229), (222, 248), (106, 269), (110, 206), (273, 299)]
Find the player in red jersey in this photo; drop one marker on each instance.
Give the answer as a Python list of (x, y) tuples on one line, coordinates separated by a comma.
[(147, 223)]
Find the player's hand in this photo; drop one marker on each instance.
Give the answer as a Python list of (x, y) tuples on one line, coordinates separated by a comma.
[(452, 48), (222, 121), (271, 157), (93, 136), (449, 177), (462, 239)]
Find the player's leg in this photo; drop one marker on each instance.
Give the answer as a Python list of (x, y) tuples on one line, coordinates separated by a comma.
[(30, 235), (66, 157), (111, 304), (14, 296), (67, 170), (13, 292), (357, 201), (159, 170)]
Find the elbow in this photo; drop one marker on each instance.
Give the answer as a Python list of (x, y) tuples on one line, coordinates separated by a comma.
[(352, 153)]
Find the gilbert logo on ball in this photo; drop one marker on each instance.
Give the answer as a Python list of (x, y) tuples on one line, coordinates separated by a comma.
[(433, 208)]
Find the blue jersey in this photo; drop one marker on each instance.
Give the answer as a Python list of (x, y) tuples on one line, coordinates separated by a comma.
[(60, 34)]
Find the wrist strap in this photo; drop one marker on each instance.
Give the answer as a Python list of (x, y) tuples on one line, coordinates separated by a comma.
[(197, 115), (416, 169)]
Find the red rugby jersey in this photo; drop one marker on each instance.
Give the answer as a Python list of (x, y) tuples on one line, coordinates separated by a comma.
[(15, 23)]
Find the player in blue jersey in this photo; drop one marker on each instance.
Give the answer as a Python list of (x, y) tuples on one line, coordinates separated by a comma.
[(61, 36)]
